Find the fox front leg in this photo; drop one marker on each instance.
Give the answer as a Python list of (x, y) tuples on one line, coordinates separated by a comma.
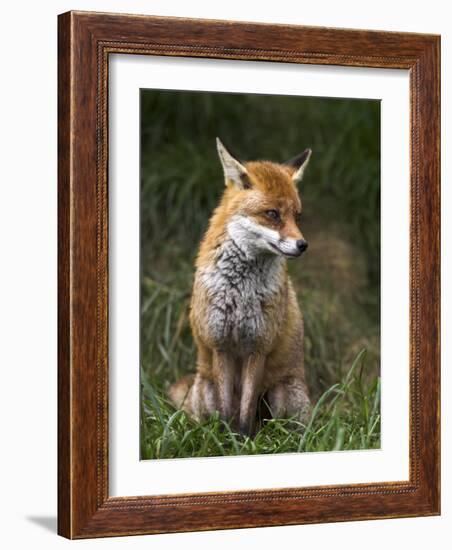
[(223, 369), (252, 374)]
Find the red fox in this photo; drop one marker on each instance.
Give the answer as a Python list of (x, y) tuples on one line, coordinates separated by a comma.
[(244, 314)]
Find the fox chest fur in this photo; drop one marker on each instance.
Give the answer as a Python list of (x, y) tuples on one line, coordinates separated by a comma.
[(242, 299)]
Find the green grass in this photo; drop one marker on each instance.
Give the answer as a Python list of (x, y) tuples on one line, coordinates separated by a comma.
[(337, 280), (345, 417)]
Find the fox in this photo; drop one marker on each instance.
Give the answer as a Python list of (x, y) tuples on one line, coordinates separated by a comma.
[(244, 314)]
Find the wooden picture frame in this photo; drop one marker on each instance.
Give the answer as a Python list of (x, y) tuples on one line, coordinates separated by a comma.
[(85, 42)]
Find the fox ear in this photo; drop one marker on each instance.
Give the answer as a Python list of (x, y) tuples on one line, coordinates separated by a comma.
[(298, 164), (233, 170)]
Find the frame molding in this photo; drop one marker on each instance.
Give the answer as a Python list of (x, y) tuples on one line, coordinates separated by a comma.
[(85, 41)]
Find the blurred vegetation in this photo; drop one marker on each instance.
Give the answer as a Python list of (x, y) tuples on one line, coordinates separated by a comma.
[(337, 280)]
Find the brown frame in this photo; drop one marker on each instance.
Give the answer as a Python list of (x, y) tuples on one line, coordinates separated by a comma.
[(85, 41)]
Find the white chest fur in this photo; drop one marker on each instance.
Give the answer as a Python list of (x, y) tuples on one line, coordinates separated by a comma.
[(239, 289)]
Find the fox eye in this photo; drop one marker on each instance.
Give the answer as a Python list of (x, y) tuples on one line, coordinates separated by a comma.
[(273, 215), (298, 218)]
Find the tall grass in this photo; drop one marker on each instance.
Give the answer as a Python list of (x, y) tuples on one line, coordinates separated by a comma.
[(346, 416), (337, 281)]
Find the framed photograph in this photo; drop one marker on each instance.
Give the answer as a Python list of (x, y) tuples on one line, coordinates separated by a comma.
[(248, 275)]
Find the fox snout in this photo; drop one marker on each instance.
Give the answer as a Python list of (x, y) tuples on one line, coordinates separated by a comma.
[(291, 247), (292, 241)]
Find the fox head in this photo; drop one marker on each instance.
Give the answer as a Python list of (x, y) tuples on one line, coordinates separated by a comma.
[(263, 205)]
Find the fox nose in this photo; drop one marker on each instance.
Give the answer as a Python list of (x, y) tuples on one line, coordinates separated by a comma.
[(302, 245)]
